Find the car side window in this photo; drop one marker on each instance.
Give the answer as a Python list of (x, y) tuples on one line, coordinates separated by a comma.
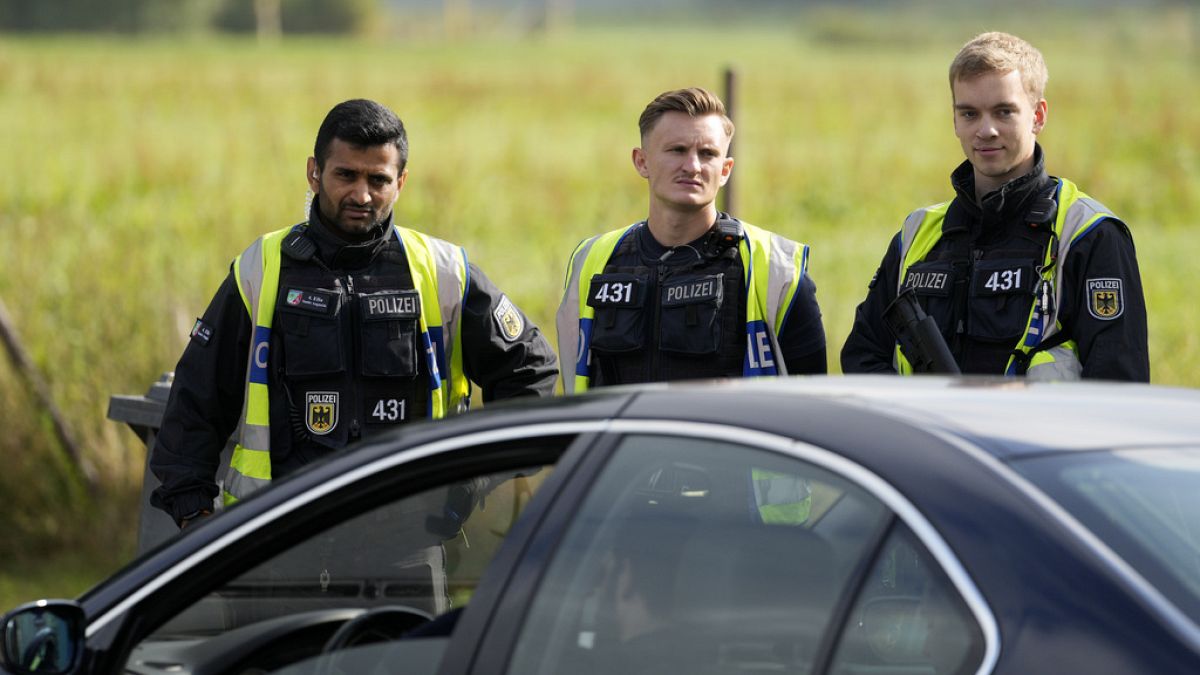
[(343, 596), (908, 618), (699, 556)]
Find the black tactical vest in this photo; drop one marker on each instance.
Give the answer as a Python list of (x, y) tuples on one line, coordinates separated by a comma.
[(681, 317), (346, 351), (980, 282)]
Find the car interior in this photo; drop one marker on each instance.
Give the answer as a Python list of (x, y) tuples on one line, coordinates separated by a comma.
[(371, 579), (670, 567)]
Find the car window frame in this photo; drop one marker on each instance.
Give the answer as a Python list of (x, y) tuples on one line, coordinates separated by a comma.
[(273, 521), (492, 654), (484, 638)]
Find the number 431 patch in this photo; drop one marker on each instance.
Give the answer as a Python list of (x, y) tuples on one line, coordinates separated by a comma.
[(1106, 299), (615, 290)]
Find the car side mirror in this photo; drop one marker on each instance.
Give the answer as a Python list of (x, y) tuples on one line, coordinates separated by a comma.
[(41, 637)]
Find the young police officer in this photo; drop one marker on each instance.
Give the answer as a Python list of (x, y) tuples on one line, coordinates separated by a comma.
[(337, 329), (689, 292), (1023, 272)]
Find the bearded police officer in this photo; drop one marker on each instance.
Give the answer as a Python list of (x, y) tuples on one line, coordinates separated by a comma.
[(337, 329), (1023, 272), (689, 292)]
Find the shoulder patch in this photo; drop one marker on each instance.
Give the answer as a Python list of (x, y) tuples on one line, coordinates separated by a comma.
[(1106, 299), (201, 333), (508, 320)]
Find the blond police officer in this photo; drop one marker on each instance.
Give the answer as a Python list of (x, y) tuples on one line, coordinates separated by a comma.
[(1024, 273)]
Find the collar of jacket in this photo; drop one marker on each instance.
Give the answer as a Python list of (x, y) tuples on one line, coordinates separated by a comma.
[(1007, 203), (652, 251), (339, 253)]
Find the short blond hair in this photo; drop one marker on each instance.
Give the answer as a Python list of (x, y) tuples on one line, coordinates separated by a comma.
[(1001, 53), (694, 101)]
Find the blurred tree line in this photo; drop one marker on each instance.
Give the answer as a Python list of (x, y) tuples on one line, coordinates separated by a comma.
[(174, 16)]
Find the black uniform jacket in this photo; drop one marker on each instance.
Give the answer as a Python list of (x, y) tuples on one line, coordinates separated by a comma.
[(801, 341), (982, 328), (205, 404)]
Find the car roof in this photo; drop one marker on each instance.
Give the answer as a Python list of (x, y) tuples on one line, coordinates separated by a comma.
[(1006, 417)]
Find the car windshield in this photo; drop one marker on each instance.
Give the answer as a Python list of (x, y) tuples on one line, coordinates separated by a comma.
[(1143, 503)]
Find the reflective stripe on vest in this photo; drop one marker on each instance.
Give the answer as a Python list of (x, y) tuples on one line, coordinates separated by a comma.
[(1078, 214), (772, 267), (781, 498), (439, 273)]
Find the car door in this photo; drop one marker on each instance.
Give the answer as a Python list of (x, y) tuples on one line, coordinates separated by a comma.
[(323, 567), (675, 559)]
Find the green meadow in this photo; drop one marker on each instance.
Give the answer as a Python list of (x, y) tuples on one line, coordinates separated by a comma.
[(137, 170)]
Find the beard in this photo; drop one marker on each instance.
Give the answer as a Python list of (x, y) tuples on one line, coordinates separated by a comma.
[(339, 219)]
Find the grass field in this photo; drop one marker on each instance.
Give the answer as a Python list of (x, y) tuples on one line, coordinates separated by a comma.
[(139, 169)]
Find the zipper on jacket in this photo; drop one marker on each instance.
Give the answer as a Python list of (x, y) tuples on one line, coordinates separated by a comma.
[(964, 301), (652, 374), (352, 350)]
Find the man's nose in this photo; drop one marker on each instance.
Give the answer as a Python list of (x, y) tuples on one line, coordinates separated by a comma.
[(987, 128), (361, 192), (692, 161)]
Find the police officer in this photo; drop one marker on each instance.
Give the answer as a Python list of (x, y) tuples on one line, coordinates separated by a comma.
[(337, 329), (1023, 272), (689, 292)]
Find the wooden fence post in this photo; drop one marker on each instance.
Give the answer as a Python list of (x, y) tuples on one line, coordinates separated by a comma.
[(26, 369)]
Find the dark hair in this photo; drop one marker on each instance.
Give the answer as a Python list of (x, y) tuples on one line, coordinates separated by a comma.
[(361, 123), (694, 101)]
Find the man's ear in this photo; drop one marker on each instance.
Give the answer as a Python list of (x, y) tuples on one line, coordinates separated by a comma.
[(400, 182), (1039, 116), (726, 170), (314, 175), (639, 162)]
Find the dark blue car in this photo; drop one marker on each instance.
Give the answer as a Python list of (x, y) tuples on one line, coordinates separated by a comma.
[(854, 526)]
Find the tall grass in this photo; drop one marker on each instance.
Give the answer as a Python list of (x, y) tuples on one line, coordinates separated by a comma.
[(138, 170)]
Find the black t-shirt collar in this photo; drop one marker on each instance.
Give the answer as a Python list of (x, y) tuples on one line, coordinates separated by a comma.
[(653, 252)]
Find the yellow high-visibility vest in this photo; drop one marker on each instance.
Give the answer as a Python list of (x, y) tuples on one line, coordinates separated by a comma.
[(439, 273), (1078, 214), (772, 265)]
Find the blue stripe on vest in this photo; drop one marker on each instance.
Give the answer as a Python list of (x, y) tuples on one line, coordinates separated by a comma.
[(435, 355), (261, 355), (439, 344), (760, 360), (585, 342)]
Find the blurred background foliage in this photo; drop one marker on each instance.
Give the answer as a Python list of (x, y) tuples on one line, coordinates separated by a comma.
[(148, 141), (186, 16)]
